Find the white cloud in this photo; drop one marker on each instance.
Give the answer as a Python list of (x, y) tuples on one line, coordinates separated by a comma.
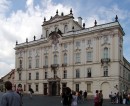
[(25, 24), (21, 25)]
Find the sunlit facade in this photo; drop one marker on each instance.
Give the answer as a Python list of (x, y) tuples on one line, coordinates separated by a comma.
[(70, 55)]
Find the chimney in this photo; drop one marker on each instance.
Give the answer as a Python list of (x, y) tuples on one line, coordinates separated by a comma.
[(80, 21)]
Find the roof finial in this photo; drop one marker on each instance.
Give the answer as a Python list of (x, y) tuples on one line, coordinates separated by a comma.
[(57, 12), (71, 11), (16, 42), (83, 25), (44, 19), (116, 18), (34, 37), (26, 40), (95, 23)]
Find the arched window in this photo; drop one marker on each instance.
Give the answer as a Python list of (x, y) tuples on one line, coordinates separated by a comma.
[(65, 28), (105, 52), (55, 59), (46, 60), (65, 58), (20, 64), (65, 74), (105, 71)]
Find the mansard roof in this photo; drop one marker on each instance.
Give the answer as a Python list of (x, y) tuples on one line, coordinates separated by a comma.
[(58, 18)]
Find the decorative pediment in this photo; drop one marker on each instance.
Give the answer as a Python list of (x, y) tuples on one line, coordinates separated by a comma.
[(57, 18)]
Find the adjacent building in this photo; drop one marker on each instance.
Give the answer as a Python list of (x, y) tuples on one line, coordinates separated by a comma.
[(70, 55), (8, 77)]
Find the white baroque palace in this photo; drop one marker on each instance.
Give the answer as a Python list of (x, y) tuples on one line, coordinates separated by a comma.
[(70, 55)]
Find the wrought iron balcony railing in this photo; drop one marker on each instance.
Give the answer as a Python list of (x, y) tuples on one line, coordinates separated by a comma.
[(54, 65), (105, 60)]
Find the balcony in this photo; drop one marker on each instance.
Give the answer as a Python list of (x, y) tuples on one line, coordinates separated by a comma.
[(19, 69), (45, 66), (54, 66), (64, 65), (105, 60)]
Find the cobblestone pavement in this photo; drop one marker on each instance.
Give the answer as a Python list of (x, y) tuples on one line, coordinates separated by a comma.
[(39, 100)]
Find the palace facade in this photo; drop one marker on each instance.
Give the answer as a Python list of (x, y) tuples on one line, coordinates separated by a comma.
[(70, 55)]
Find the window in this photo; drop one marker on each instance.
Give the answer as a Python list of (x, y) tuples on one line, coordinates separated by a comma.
[(37, 62), (77, 57), (77, 44), (65, 74), (89, 72), (77, 73), (24, 87), (89, 42), (105, 52), (37, 76), (20, 63), (89, 87), (45, 74), (89, 56), (30, 63), (105, 71), (65, 28), (37, 52), (77, 87), (29, 86), (19, 76), (105, 39), (30, 53), (65, 58), (55, 59), (29, 76), (46, 60), (55, 73), (47, 33), (37, 87), (65, 45)]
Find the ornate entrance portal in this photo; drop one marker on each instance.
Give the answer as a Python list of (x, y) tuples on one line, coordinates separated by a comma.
[(54, 87)]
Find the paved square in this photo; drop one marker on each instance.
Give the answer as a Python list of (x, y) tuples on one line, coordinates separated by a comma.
[(40, 100)]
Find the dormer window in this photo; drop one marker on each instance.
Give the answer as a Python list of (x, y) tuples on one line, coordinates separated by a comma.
[(65, 28)]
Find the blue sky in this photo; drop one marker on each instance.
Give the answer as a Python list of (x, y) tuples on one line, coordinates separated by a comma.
[(21, 19)]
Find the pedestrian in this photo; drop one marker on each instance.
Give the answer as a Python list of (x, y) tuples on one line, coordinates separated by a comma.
[(96, 99), (100, 98), (31, 92), (67, 97), (10, 98), (85, 95), (20, 90), (74, 99)]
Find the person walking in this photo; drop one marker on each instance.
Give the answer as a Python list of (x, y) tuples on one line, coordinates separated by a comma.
[(96, 99), (85, 95), (20, 91), (10, 98), (100, 98), (31, 92), (74, 99)]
